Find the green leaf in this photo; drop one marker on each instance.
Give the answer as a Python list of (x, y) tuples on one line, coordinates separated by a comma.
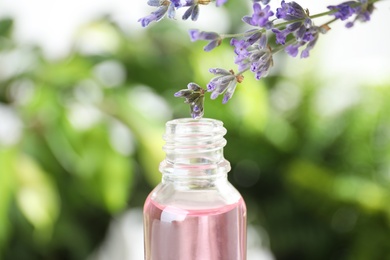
[(7, 174), (36, 196), (116, 180), (6, 27)]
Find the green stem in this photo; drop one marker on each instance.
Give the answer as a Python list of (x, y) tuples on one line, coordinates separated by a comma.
[(331, 21), (322, 14), (248, 33), (241, 72)]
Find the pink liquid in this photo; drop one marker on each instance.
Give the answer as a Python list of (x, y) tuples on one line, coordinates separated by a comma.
[(173, 233)]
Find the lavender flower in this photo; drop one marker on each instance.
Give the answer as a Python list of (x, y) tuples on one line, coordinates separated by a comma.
[(300, 32), (194, 95), (304, 31), (347, 9), (193, 10), (290, 11), (214, 38), (309, 38), (281, 35), (363, 13), (241, 50), (260, 16), (164, 6), (343, 11), (309, 46), (252, 50), (169, 7), (225, 83), (256, 57), (261, 59), (292, 49)]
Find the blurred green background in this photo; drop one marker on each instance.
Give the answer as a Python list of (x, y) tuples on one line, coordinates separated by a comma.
[(81, 138)]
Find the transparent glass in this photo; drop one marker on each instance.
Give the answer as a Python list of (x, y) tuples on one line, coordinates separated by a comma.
[(194, 213)]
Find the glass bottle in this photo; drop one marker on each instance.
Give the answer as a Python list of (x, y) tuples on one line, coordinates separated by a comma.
[(194, 213)]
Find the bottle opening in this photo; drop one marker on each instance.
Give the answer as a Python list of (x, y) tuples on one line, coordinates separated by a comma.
[(194, 135), (194, 145)]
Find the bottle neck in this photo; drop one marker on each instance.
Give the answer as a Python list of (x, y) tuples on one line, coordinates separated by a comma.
[(194, 151)]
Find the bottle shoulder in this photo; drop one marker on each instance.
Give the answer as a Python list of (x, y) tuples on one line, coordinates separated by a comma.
[(213, 196)]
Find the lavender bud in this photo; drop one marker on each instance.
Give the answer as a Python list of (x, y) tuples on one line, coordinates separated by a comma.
[(193, 86), (211, 45), (219, 71), (154, 2)]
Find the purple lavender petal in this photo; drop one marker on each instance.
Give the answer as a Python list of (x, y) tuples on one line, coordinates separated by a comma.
[(209, 36), (294, 26), (211, 45), (178, 94), (226, 97), (193, 86), (220, 2), (261, 15), (214, 95), (300, 33), (195, 13), (188, 12), (154, 2), (292, 50), (219, 71), (211, 86), (263, 41), (308, 23), (194, 34), (254, 37), (290, 11), (145, 21), (240, 46), (183, 93), (176, 3), (281, 35), (305, 53), (344, 10), (364, 16), (154, 16), (171, 12), (196, 109), (248, 19), (229, 91)]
